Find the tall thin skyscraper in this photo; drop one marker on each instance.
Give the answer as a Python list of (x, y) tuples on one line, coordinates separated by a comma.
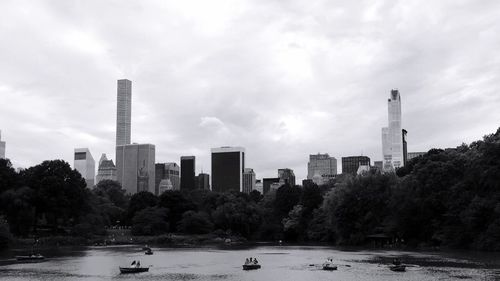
[(123, 112), (392, 136)]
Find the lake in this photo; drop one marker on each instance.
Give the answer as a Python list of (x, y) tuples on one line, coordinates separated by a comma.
[(290, 263)]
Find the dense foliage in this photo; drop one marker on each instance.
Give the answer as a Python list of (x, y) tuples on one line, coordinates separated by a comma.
[(447, 197)]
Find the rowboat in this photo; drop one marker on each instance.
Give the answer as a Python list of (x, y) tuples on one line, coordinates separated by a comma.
[(398, 268), (329, 266), (251, 266), (133, 269)]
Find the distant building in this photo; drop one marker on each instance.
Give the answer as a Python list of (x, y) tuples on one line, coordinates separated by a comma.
[(321, 168), (203, 181), (392, 136), (85, 164), (188, 173), (286, 176), (135, 165), (275, 186), (106, 169), (169, 174), (2, 147), (123, 112), (267, 182), (351, 164), (259, 187), (228, 164), (248, 180), (405, 146), (412, 155), (379, 165)]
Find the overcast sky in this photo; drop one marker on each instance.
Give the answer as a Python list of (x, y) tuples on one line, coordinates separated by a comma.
[(284, 79)]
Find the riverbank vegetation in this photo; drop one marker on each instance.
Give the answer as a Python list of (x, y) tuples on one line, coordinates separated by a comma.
[(447, 198)]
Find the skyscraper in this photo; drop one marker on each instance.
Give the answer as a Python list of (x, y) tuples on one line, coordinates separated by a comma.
[(123, 112), (267, 182), (248, 180), (286, 176), (228, 164), (351, 164), (135, 165), (321, 168), (392, 136), (188, 166), (85, 164), (405, 147), (106, 169), (2, 147)]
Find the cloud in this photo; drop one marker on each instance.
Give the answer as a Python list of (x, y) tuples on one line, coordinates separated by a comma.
[(283, 79)]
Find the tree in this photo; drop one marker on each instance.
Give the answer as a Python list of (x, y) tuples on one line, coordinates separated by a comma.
[(150, 221), (177, 204), (141, 201), (113, 191), (60, 194), (18, 206), (195, 223)]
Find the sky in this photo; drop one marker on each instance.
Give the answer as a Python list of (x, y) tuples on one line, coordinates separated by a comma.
[(284, 79)]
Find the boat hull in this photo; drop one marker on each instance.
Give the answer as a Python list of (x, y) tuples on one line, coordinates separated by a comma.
[(329, 267), (398, 268), (133, 269), (30, 258), (251, 266)]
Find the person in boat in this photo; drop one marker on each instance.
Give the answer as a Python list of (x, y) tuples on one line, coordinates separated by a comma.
[(255, 261), (138, 264), (247, 261), (396, 261)]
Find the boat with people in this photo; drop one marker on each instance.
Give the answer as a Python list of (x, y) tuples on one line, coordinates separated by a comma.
[(135, 267), (329, 265), (251, 264), (148, 252)]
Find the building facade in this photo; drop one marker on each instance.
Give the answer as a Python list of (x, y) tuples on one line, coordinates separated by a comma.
[(351, 164), (405, 146), (392, 136), (203, 181), (106, 169), (321, 168), (259, 186), (412, 155), (85, 164), (169, 173), (228, 164), (286, 176), (135, 165), (2, 147), (123, 112), (248, 180), (267, 182), (188, 165)]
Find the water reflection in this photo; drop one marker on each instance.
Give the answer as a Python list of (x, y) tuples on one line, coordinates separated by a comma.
[(278, 263)]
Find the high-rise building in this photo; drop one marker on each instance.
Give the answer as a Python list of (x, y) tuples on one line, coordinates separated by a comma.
[(106, 169), (2, 147), (85, 164), (228, 164), (351, 164), (188, 166), (168, 173), (248, 180), (267, 182), (286, 176), (123, 112), (203, 181), (135, 165), (321, 168), (392, 136)]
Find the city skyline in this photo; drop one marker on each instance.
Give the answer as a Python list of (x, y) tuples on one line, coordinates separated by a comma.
[(307, 80)]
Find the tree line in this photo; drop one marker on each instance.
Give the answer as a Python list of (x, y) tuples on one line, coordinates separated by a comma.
[(447, 197)]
